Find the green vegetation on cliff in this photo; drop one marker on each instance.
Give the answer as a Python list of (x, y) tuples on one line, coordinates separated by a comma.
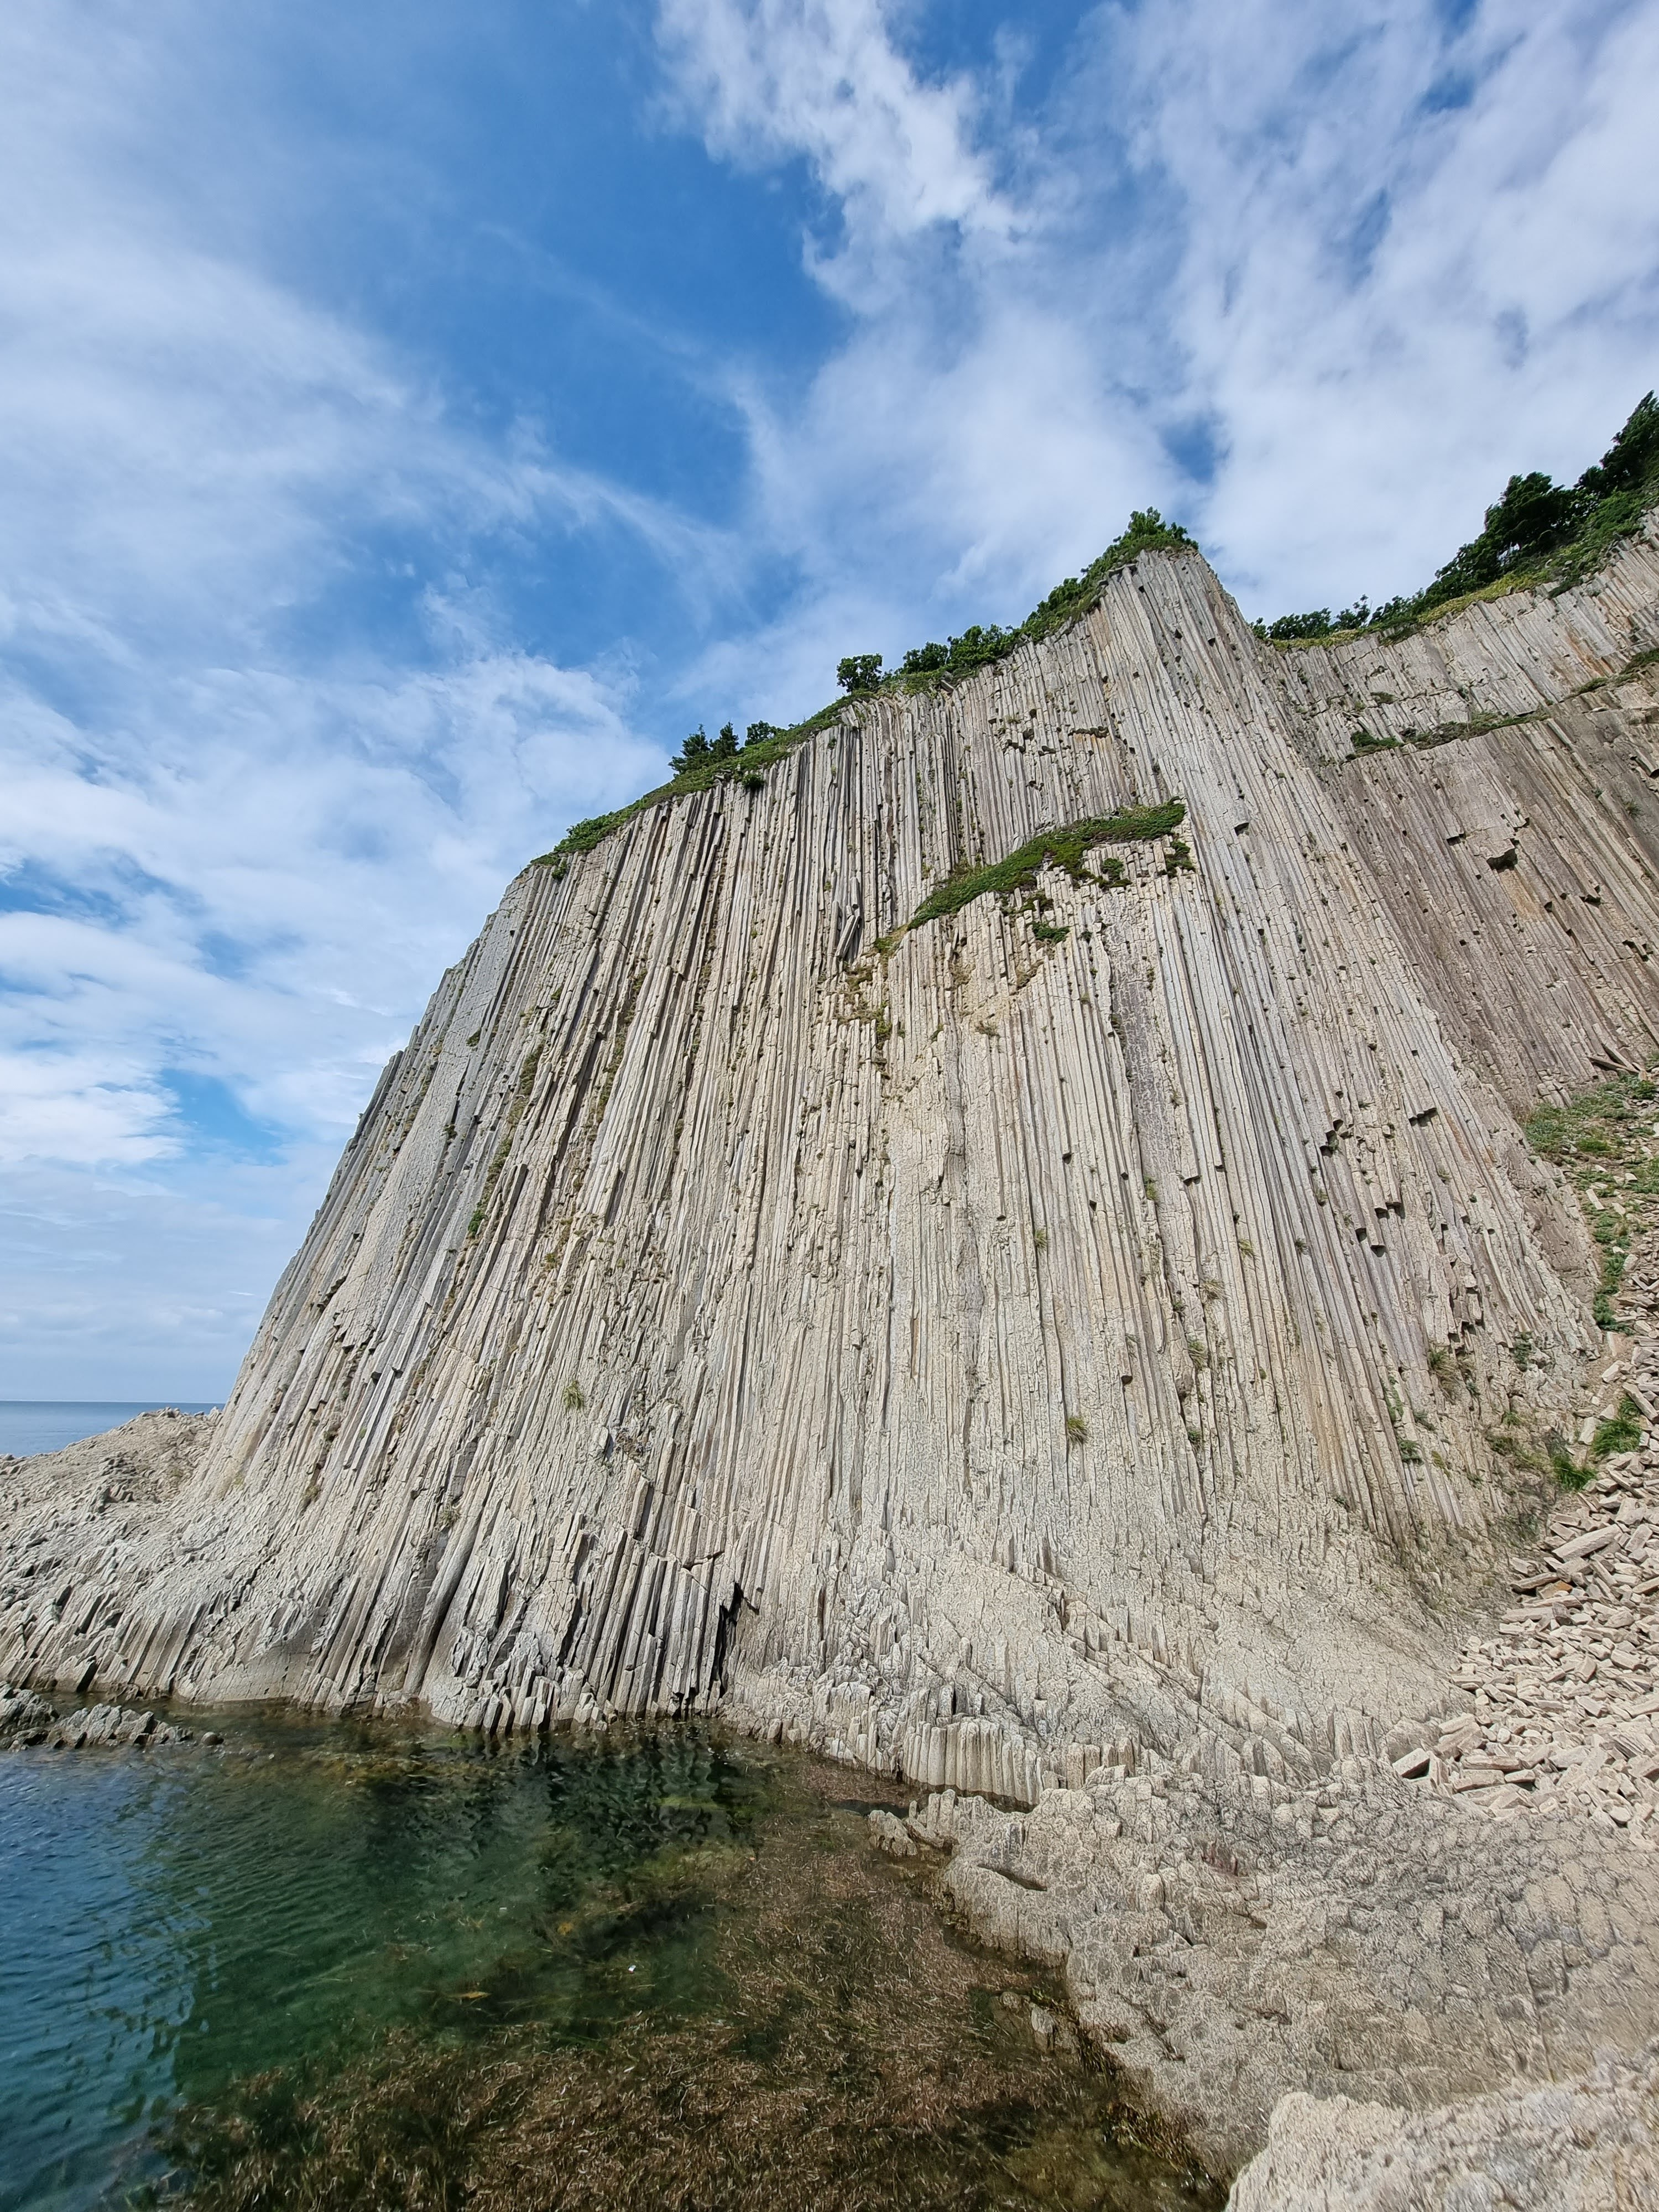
[(701, 769), (1060, 848), (925, 666), (703, 762), (1539, 532), (1604, 1139)]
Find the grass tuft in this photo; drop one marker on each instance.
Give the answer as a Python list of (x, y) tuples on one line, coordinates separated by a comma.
[(1621, 1432), (1601, 1139), (1060, 848)]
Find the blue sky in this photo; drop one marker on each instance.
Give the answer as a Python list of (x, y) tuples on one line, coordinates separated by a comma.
[(414, 418)]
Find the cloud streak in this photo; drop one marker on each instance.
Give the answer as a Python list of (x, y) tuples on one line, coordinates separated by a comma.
[(315, 622), (1316, 282)]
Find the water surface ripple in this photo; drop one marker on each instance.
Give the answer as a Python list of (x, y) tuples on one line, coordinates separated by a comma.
[(315, 1895)]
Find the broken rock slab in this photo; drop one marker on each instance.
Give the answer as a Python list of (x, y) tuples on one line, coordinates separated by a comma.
[(1590, 2145)]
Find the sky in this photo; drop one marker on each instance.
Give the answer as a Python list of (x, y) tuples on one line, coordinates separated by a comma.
[(414, 419)]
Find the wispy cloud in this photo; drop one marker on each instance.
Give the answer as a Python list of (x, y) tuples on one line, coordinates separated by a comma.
[(823, 79), (1318, 281), (1418, 251), (319, 610)]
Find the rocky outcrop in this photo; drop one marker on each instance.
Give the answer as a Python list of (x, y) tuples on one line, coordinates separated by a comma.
[(1224, 1944), (26, 1720), (1590, 2145), (950, 1343)]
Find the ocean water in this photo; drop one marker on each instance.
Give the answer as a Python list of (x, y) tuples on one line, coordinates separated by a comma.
[(45, 1425), (394, 1923)]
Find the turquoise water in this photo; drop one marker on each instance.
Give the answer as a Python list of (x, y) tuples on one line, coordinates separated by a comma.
[(46, 1425), (636, 1922), (176, 1918)]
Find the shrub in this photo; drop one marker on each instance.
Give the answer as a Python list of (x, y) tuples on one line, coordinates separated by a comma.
[(1147, 533), (1317, 624), (583, 837), (1076, 1429), (1536, 531), (983, 643)]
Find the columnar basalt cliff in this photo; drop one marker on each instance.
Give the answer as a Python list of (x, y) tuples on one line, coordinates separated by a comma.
[(1070, 1321)]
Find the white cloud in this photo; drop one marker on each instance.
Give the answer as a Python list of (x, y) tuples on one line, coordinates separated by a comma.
[(1387, 301), (823, 79), (1375, 260), (72, 1107), (228, 856)]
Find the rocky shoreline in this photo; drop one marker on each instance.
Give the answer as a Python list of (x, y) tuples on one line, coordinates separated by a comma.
[(1468, 1913), (29, 1722)]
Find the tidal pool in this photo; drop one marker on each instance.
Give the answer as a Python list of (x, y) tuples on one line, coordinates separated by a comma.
[(329, 1965)]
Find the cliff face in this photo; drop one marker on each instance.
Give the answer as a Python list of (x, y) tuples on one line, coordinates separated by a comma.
[(1051, 1324)]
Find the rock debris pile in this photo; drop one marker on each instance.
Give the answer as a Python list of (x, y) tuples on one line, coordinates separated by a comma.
[(1566, 1694)]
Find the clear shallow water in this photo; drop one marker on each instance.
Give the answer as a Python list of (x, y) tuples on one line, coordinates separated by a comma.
[(46, 1425), (382, 1906), (176, 1918)]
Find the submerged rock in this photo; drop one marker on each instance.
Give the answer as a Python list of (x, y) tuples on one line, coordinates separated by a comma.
[(26, 1719)]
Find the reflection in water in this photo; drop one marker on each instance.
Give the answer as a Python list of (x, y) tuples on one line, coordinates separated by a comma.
[(404, 1968)]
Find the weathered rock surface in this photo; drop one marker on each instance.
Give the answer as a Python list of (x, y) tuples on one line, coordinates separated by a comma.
[(27, 1719), (1226, 1941), (1566, 1694), (951, 1348), (1007, 1347), (1585, 2146)]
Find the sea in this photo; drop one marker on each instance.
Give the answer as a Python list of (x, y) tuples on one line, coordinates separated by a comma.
[(46, 1425), (295, 1957)]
